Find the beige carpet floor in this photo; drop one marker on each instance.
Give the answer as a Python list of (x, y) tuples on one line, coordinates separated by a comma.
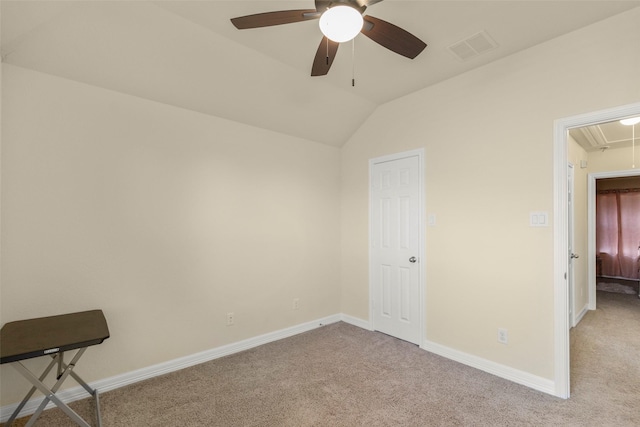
[(341, 375), (618, 286)]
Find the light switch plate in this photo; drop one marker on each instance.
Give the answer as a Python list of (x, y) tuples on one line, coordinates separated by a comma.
[(539, 219)]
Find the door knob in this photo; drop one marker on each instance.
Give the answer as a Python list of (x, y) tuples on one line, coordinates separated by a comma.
[(412, 259), (574, 256)]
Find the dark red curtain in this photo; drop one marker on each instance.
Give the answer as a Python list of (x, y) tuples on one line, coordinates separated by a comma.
[(618, 232)]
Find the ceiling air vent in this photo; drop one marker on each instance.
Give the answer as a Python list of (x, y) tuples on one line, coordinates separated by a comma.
[(473, 46)]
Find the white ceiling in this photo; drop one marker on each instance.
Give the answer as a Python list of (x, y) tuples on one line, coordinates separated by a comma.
[(606, 135), (188, 54)]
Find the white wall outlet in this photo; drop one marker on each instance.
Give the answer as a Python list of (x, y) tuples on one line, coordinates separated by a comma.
[(230, 319), (503, 336), (296, 303)]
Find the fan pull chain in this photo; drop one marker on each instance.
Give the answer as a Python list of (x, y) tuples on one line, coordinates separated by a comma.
[(327, 51), (633, 147), (353, 63)]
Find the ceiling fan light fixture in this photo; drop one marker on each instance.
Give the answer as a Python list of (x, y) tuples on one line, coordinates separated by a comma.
[(341, 23), (630, 121)]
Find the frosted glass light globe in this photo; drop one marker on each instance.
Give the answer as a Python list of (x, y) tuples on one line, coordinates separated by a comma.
[(341, 23), (631, 121)]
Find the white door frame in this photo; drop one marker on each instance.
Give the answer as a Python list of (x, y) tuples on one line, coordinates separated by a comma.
[(421, 237), (571, 240), (591, 221), (560, 233)]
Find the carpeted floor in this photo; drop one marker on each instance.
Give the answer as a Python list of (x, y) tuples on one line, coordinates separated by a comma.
[(341, 375), (619, 286)]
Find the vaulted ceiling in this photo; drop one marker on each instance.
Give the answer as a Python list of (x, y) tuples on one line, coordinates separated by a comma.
[(188, 54)]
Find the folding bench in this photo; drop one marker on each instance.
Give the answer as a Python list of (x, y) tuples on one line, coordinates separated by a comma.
[(52, 336)]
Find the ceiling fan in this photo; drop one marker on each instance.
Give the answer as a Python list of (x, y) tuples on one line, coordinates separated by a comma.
[(388, 35)]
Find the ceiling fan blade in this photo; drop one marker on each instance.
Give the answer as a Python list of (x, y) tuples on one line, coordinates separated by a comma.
[(322, 5), (367, 2), (325, 55), (269, 19), (392, 37)]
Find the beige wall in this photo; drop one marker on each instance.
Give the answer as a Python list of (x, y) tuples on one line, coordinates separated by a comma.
[(164, 218), (488, 139), (614, 159), (618, 183)]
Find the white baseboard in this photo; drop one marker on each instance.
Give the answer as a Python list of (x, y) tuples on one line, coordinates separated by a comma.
[(580, 315), (104, 385), (355, 321), (533, 381)]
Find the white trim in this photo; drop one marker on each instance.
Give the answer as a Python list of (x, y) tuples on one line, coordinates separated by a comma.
[(108, 384), (580, 315), (533, 381), (356, 321), (571, 232), (560, 265), (591, 224), (422, 291)]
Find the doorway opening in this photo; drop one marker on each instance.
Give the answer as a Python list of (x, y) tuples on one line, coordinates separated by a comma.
[(561, 235), (631, 178)]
